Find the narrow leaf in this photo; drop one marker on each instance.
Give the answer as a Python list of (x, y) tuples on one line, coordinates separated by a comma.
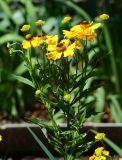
[(21, 79), (10, 37), (45, 149), (5, 7)]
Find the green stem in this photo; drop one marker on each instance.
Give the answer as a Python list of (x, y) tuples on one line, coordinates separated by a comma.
[(112, 57), (78, 9)]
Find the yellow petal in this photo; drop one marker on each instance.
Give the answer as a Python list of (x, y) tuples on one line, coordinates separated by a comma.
[(26, 44), (95, 26), (35, 42), (106, 153), (98, 151), (51, 40), (54, 55), (70, 50)]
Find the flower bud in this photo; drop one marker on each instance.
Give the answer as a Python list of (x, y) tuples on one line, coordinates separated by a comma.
[(67, 97), (99, 136), (38, 92), (25, 28), (40, 22), (104, 16), (66, 19)]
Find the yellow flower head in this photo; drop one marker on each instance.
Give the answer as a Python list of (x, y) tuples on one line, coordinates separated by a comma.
[(99, 154), (66, 19), (31, 41), (1, 138), (98, 151), (104, 16), (120, 158), (84, 31), (25, 28), (58, 49), (99, 136), (67, 97), (40, 22)]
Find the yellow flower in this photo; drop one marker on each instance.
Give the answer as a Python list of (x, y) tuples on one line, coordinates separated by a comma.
[(84, 31), (67, 97), (104, 16), (92, 157), (68, 34), (51, 40), (58, 49), (31, 41), (105, 153), (100, 136), (98, 151), (1, 138), (66, 19), (25, 28), (40, 22), (120, 158), (99, 154)]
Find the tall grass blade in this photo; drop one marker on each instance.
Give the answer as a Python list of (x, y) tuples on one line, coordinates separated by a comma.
[(117, 149), (51, 157), (112, 57), (116, 109)]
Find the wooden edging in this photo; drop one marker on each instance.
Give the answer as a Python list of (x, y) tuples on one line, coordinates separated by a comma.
[(18, 140)]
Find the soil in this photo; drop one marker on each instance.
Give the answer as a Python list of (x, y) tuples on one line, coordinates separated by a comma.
[(38, 111)]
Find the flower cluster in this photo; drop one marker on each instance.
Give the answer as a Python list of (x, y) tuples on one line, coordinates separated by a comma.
[(72, 40), (100, 154), (99, 136)]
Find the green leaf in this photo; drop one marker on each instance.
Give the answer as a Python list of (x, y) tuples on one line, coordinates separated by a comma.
[(20, 69), (5, 7), (45, 149), (21, 79), (10, 37), (100, 102), (113, 63), (115, 109)]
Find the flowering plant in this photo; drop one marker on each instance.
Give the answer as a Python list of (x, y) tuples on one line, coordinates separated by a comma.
[(61, 72)]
